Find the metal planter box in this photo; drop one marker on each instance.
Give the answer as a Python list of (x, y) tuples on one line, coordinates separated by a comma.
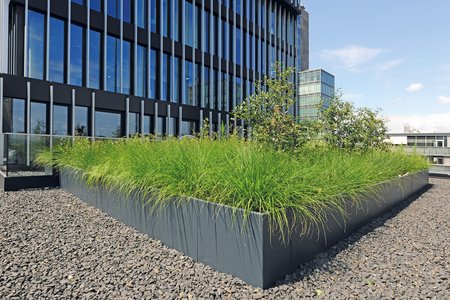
[(212, 234)]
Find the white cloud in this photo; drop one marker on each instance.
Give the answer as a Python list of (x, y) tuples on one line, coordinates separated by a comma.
[(443, 100), (423, 123), (390, 64), (351, 56), (414, 87)]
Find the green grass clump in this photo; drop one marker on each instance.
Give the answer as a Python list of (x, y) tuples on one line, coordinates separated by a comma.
[(233, 172)]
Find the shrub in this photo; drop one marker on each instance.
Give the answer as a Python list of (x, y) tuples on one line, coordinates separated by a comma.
[(342, 125)]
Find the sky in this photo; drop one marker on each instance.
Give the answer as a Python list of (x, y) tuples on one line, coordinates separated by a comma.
[(388, 54)]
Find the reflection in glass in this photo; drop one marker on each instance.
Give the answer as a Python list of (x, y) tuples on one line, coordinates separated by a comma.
[(141, 13), (165, 92), (108, 124), (60, 120), (152, 74), (176, 79), (188, 24), (76, 54), (141, 72), (36, 44), (153, 15), (126, 11), (112, 64), (133, 123), (57, 50), (187, 128), (189, 92), (96, 5), (94, 59), (81, 120), (38, 118), (14, 115), (147, 124), (126, 76)]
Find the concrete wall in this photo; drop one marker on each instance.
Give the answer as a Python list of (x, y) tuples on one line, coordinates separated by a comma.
[(447, 161), (4, 4)]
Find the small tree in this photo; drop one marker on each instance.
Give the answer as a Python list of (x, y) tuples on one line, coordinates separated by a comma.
[(267, 112), (345, 126)]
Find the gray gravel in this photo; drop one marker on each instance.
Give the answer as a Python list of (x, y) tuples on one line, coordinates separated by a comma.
[(54, 246)]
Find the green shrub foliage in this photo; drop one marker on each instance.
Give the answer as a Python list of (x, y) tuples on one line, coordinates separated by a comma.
[(342, 125)]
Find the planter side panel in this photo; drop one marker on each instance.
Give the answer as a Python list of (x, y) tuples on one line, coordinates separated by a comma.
[(204, 231), (390, 194)]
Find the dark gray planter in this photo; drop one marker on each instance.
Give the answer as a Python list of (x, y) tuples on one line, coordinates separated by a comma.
[(209, 233)]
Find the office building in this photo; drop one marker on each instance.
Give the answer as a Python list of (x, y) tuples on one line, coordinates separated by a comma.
[(435, 146), (315, 90), (115, 68)]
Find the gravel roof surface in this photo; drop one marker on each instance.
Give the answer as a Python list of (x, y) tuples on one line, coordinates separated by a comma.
[(52, 245)]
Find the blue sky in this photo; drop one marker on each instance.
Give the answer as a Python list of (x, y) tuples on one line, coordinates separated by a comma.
[(388, 54)]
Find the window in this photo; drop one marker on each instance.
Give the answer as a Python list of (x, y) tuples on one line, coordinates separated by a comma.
[(147, 125), (224, 40), (96, 5), (189, 93), (171, 126), (238, 91), (141, 13), (176, 21), (206, 32), (14, 115), (108, 124), (126, 76), (60, 120), (94, 59), (153, 15), (38, 118), (113, 64), (238, 47), (206, 84), (126, 11), (187, 128), (165, 92), (133, 123), (57, 50), (198, 84), (224, 93), (114, 8), (159, 126), (76, 55), (36, 44), (198, 28), (141, 80), (81, 120), (189, 24), (152, 74), (176, 79), (166, 18)]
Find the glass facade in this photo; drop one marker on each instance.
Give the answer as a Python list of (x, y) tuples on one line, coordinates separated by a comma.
[(315, 90), (140, 52)]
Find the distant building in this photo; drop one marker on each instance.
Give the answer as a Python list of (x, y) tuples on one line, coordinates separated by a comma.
[(435, 146), (316, 89)]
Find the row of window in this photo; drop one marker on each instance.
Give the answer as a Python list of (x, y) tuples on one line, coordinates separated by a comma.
[(254, 11), (119, 75), (107, 124)]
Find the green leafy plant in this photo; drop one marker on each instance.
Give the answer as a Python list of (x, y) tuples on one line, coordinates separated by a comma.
[(342, 125), (267, 112)]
